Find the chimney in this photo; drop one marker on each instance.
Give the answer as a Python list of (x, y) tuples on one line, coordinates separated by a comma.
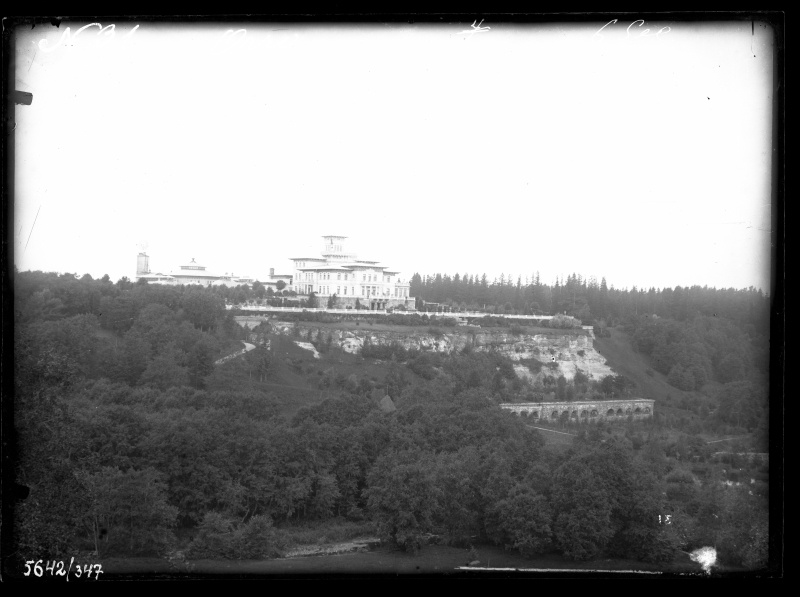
[(272, 272)]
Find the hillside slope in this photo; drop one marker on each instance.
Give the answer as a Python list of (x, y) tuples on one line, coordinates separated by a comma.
[(619, 352)]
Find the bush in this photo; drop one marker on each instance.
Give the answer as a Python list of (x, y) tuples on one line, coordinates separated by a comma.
[(681, 378), (580, 377), (602, 332), (448, 322), (384, 351), (221, 537), (564, 322), (533, 364), (423, 365), (680, 476)]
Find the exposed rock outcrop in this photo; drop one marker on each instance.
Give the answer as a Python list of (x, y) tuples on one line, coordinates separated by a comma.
[(570, 351)]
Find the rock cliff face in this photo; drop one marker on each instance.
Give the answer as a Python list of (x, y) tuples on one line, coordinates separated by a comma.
[(570, 351)]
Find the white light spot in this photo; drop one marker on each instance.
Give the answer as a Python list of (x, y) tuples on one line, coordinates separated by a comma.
[(706, 557)]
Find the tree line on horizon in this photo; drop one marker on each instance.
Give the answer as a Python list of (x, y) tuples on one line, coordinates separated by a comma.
[(589, 300)]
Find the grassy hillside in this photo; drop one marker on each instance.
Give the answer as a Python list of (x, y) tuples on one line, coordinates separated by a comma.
[(621, 356)]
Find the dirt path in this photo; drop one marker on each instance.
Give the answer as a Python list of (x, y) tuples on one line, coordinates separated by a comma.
[(552, 430), (334, 549), (247, 347)]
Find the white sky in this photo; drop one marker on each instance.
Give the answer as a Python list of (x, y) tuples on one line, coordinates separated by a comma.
[(520, 148)]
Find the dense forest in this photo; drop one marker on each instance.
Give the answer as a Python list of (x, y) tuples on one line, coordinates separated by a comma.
[(132, 441)]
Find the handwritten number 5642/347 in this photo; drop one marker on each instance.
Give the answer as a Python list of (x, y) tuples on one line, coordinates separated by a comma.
[(56, 568)]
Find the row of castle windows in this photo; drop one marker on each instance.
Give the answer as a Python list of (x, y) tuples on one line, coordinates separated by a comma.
[(365, 290), (309, 276)]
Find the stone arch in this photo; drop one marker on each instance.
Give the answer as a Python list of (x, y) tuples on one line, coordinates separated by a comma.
[(574, 414), (647, 410), (610, 412), (619, 412), (628, 411), (554, 414), (584, 413), (638, 411), (593, 413), (535, 414), (524, 413)]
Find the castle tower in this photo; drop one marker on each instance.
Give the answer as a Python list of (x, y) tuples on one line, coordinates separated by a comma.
[(142, 264), (334, 250)]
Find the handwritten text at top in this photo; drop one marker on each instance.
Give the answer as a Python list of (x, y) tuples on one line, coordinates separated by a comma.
[(633, 30), (107, 32), (477, 27)]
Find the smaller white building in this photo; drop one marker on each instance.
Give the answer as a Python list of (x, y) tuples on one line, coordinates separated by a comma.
[(190, 273)]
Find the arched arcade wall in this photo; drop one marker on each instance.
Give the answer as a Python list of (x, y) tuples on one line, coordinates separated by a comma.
[(584, 411)]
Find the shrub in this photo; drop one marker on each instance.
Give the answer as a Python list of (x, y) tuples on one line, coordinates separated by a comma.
[(448, 322), (681, 378), (602, 332), (680, 476), (533, 364), (423, 365), (384, 351), (564, 322), (221, 537)]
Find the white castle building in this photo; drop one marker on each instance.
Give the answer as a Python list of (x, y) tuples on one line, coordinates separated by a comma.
[(353, 282), (337, 272)]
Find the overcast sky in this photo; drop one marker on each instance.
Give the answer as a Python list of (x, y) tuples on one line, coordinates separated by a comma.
[(559, 148)]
